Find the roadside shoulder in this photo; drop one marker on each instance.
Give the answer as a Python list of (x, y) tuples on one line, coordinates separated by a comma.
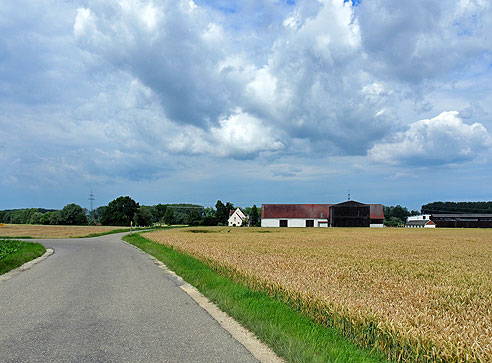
[(26, 266)]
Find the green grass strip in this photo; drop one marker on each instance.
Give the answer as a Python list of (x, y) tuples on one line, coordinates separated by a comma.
[(290, 334), (121, 230), (15, 253), (16, 237)]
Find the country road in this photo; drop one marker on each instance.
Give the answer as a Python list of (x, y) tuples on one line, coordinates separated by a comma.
[(100, 300)]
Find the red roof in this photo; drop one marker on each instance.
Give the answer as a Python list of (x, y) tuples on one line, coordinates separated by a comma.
[(295, 210), (309, 210), (377, 211)]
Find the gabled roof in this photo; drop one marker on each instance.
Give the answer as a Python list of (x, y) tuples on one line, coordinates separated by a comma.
[(376, 210), (314, 211), (350, 202), (232, 211), (420, 222), (295, 211)]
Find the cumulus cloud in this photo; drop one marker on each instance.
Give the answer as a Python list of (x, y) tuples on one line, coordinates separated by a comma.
[(131, 89), (240, 135), (443, 139), (418, 40), (325, 76)]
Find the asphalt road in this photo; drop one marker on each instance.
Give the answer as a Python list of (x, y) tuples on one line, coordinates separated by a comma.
[(100, 300)]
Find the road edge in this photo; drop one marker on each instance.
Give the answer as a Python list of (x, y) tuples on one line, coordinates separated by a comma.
[(28, 265), (257, 348)]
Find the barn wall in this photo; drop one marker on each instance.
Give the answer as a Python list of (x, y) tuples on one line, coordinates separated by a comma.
[(291, 222), (376, 225)]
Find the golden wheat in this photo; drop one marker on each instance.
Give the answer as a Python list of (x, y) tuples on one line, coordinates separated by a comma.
[(38, 231), (417, 295)]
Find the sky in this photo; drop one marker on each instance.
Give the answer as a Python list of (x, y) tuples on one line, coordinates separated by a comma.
[(252, 102)]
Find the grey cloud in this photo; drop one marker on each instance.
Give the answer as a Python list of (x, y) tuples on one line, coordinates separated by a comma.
[(424, 39), (168, 51), (475, 110), (124, 89)]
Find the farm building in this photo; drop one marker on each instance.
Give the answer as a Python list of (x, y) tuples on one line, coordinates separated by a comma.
[(346, 214), (419, 218), (421, 223), (237, 218), (462, 220)]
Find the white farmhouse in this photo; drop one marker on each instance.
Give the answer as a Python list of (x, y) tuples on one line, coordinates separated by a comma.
[(422, 221), (237, 218)]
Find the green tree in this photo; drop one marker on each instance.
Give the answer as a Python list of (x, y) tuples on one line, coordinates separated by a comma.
[(221, 213), (159, 211), (55, 217), (209, 218), (143, 216), (194, 218), (46, 218), (36, 218), (119, 212), (168, 217), (254, 216), (73, 214)]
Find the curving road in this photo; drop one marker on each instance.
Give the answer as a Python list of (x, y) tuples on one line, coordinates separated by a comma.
[(100, 300)]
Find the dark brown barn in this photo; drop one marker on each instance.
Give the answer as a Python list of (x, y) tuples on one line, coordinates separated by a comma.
[(462, 220)]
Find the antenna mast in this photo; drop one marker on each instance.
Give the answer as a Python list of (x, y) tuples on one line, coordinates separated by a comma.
[(91, 198), (349, 194)]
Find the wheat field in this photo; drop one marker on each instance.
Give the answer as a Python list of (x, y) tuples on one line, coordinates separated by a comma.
[(40, 231), (415, 294)]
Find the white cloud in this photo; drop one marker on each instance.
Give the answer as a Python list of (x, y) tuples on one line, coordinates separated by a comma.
[(135, 88), (239, 135), (443, 139), (244, 134)]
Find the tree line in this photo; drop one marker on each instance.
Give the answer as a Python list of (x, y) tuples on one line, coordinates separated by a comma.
[(71, 214), (457, 207), (124, 211)]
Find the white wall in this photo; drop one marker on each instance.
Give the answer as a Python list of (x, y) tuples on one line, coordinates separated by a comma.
[(301, 222), (376, 225), (421, 217), (291, 222), (239, 215)]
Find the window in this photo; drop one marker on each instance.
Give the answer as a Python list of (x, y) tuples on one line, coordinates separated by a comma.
[(309, 223), (283, 223)]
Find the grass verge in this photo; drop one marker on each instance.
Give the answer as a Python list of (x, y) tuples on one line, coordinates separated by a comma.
[(15, 253), (290, 334), (118, 230), (121, 230), (16, 237)]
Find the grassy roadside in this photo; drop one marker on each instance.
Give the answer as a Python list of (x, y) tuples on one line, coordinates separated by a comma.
[(15, 253), (291, 335), (16, 237), (121, 230), (118, 230)]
